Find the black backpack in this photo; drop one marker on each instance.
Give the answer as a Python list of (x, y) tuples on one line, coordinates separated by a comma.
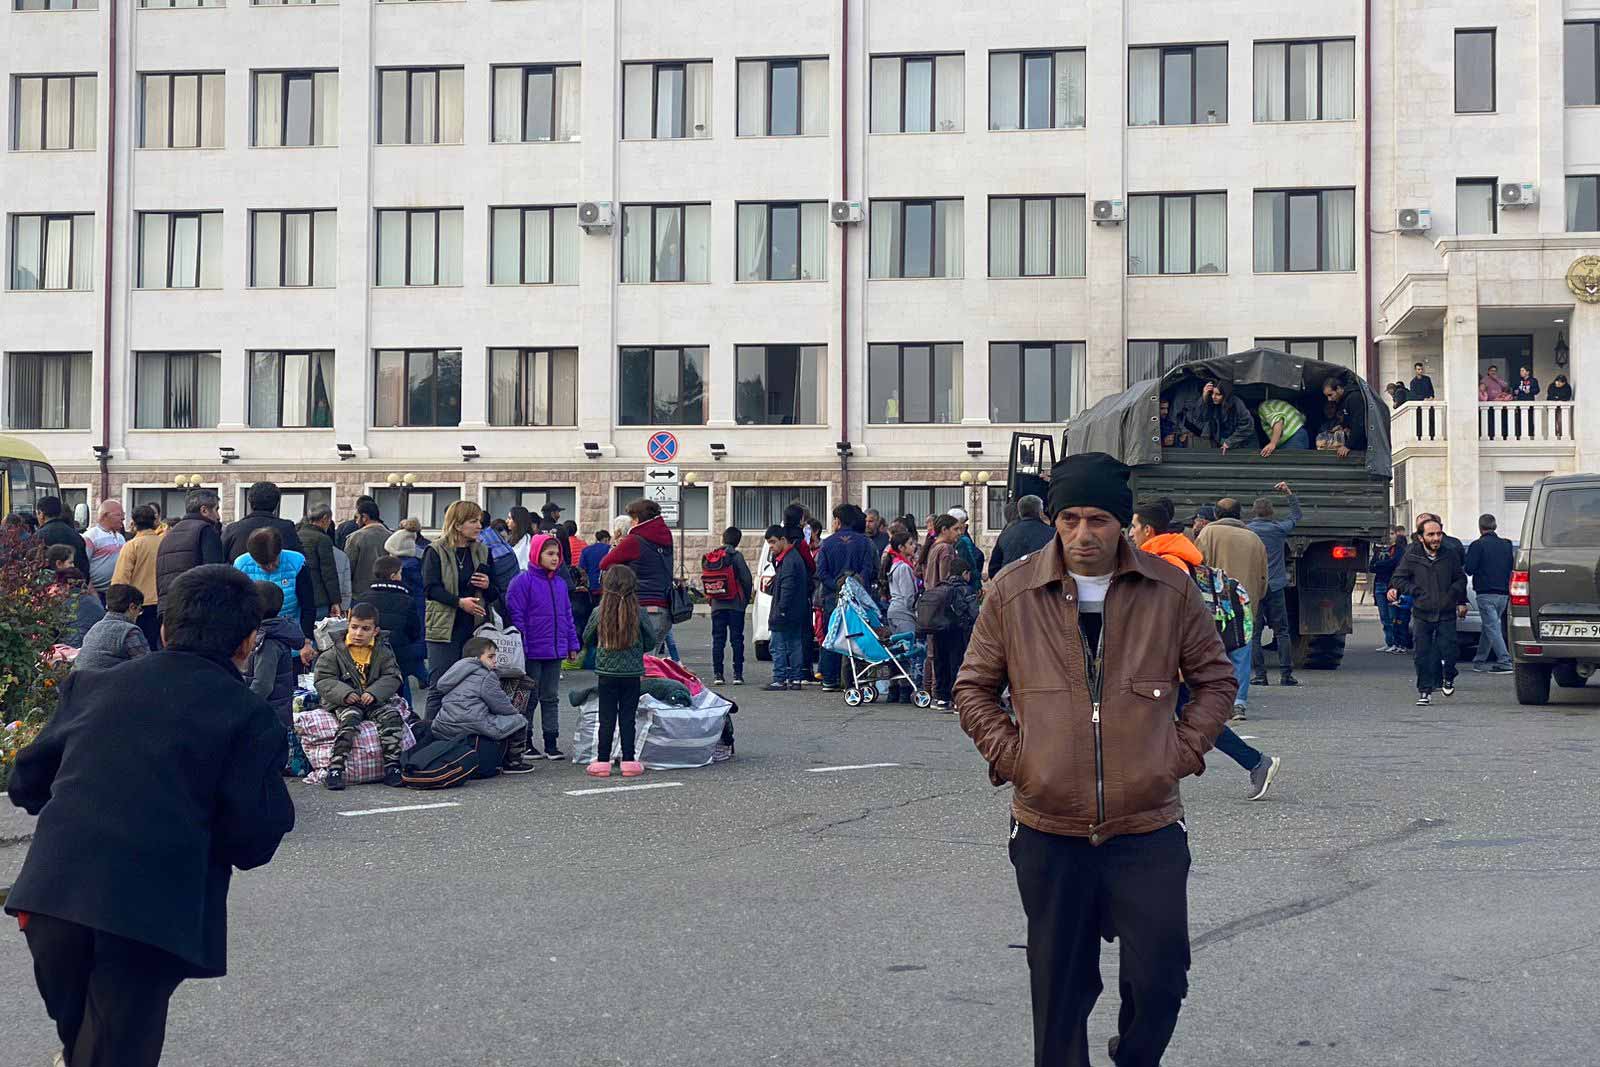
[(439, 764), (933, 610)]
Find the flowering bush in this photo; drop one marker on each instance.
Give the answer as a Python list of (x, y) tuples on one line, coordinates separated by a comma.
[(31, 617)]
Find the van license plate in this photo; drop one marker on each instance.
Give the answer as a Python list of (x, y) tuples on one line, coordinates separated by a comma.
[(1580, 630)]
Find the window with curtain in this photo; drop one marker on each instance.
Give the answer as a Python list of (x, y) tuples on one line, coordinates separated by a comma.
[(918, 94), (913, 383), (295, 108), (783, 242), (171, 503), (666, 101), (1036, 236), (1178, 233), (1581, 56), (56, 5), (533, 387), (180, 250), (917, 239), (1035, 381), (533, 246), (1178, 85), (783, 97), (778, 385), (181, 3), (918, 501), (417, 387), (1583, 203), (1036, 90), (1152, 359), (420, 105), (177, 390), (293, 3), (755, 507), (662, 386), (1305, 81), (426, 504), (1476, 210), (293, 248), (694, 504), (666, 242), (48, 390), (1305, 230), (500, 499), (1340, 350), (538, 103), (52, 252), (291, 389), (419, 246), (293, 503), (1475, 76), (53, 112), (181, 110)]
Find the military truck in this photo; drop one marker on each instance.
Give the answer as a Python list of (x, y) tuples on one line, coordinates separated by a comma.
[(1345, 498)]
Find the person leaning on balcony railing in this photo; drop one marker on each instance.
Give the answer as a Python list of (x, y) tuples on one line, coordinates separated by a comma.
[(1527, 387), (1398, 393), (1560, 389)]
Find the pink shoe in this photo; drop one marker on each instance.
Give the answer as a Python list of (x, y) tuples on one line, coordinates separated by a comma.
[(600, 770), (632, 768)]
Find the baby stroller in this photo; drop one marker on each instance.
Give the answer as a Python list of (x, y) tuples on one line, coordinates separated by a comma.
[(856, 631)]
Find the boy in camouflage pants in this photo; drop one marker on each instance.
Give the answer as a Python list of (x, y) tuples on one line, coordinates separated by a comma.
[(356, 679)]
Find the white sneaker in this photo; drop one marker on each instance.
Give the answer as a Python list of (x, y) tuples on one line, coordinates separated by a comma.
[(1384, 648), (1448, 689)]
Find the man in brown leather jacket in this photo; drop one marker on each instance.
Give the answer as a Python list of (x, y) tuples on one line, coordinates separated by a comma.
[(1093, 637)]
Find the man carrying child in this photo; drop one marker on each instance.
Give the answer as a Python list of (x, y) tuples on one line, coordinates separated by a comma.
[(356, 680)]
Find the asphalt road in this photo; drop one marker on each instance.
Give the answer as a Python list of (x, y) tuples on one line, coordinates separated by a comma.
[(1419, 888)]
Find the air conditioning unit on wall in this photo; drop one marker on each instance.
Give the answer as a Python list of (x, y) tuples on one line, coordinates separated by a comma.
[(1109, 211), (1518, 194), (595, 215), (1413, 220), (845, 212)]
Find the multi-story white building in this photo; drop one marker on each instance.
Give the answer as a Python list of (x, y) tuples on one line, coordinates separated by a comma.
[(340, 243)]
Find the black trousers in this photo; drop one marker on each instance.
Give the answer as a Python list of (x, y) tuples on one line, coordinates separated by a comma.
[(1435, 651), (1133, 888), (619, 710), (949, 649), (108, 995), (149, 624)]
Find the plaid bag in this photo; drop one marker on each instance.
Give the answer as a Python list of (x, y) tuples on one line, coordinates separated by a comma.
[(316, 727)]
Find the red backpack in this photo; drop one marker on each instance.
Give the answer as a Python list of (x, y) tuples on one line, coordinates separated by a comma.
[(718, 579)]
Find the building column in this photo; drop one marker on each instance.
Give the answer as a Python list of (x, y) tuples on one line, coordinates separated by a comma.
[(1460, 393), (1106, 348), (1583, 367)]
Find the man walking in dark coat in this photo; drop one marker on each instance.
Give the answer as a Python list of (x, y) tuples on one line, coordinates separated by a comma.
[(1435, 579), (193, 541), (1028, 534), (154, 780), (263, 498)]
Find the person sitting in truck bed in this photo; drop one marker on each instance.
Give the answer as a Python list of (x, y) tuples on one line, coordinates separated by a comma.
[(1222, 418), (1285, 426), (1350, 409)]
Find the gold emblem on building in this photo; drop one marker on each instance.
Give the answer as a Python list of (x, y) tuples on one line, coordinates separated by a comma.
[(1583, 278)]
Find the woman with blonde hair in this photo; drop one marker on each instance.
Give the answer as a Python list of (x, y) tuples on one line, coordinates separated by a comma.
[(455, 579)]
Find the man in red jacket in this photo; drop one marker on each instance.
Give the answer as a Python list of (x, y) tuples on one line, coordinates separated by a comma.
[(647, 548)]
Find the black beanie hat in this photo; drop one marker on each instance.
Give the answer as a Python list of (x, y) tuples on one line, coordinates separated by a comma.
[(1094, 480)]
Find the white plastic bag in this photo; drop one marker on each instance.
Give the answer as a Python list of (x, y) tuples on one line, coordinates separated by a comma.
[(667, 737), (509, 660), (330, 631)]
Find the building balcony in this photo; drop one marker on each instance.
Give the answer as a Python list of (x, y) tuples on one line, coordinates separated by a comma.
[(1503, 427)]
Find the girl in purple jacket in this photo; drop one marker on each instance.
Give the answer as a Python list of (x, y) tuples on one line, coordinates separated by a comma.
[(541, 610)]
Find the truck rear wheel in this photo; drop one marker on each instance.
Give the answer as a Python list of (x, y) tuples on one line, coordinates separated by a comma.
[(1533, 683), (1322, 652)]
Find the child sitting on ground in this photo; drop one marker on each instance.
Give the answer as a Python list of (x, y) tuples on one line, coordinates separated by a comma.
[(475, 704), (621, 633), (116, 638), (356, 679), (275, 660)]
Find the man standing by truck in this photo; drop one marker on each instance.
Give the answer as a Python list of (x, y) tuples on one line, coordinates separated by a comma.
[(1274, 533)]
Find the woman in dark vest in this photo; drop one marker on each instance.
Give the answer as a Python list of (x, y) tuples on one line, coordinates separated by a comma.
[(647, 549), (455, 577)]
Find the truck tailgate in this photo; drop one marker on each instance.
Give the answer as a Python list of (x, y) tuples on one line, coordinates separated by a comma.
[(1340, 498)]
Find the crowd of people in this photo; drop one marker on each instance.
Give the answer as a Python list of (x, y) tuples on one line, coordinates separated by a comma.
[(1491, 387)]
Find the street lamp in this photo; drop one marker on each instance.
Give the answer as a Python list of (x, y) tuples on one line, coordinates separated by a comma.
[(689, 478)]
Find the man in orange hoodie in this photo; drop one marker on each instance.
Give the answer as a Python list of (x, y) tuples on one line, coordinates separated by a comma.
[(1150, 532)]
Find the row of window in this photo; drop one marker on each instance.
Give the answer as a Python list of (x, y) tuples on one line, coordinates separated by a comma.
[(1029, 236), (774, 385)]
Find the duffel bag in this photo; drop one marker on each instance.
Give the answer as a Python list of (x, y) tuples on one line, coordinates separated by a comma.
[(439, 764)]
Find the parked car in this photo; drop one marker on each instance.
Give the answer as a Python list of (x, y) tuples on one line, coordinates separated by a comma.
[(1555, 604)]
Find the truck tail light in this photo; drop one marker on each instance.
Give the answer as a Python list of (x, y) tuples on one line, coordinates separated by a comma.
[(1533, 650), (1519, 589), (1344, 552)]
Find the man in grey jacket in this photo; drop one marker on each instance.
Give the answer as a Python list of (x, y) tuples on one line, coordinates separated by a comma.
[(364, 547), (1274, 611)]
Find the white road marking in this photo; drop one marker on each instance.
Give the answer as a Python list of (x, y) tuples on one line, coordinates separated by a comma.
[(620, 789), (851, 767), (400, 807), (1247, 737)]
